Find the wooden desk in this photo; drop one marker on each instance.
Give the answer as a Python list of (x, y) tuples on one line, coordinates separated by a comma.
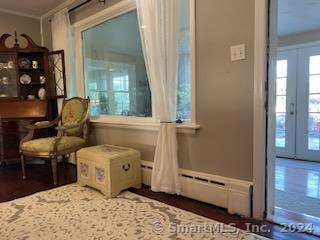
[(14, 117), (23, 109)]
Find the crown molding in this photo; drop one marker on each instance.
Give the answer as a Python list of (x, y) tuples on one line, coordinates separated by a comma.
[(19, 13), (58, 8)]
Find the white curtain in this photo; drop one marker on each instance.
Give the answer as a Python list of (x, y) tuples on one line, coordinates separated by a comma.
[(62, 37), (160, 29)]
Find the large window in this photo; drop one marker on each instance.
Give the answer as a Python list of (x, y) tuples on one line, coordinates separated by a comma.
[(114, 69), (184, 74)]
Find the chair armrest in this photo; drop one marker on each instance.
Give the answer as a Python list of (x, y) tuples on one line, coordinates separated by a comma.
[(43, 124), (37, 125)]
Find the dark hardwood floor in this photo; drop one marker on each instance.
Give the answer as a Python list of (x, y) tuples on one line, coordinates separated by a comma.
[(39, 179)]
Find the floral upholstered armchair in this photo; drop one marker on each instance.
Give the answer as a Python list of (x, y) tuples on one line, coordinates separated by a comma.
[(72, 135)]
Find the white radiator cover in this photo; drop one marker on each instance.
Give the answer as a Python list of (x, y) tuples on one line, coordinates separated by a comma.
[(229, 193)]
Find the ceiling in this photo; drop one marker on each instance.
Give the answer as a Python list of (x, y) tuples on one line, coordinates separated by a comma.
[(297, 16), (35, 8)]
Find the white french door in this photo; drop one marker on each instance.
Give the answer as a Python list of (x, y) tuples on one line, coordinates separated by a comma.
[(286, 82), (298, 104), (308, 98)]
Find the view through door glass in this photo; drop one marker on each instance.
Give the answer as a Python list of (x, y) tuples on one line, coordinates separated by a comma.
[(285, 103), (282, 72), (294, 158), (314, 103)]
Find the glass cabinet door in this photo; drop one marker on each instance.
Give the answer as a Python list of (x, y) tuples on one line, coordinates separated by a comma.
[(8, 76)]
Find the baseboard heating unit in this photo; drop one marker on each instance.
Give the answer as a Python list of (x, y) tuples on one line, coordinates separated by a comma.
[(232, 194)]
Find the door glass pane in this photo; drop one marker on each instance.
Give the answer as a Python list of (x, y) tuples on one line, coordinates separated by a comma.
[(313, 131), (314, 84), (314, 66), (281, 86), (280, 129), (281, 104), (314, 103), (282, 68)]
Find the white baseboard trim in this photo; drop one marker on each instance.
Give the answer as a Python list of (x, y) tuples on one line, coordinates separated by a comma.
[(233, 194)]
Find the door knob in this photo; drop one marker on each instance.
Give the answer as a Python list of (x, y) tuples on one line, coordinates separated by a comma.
[(292, 109)]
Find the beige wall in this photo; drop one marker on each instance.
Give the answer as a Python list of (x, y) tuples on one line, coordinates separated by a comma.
[(10, 23), (299, 38), (46, 29), (75, 16), (223, 146)]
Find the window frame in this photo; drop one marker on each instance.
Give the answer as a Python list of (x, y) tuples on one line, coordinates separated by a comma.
[(109, 13)]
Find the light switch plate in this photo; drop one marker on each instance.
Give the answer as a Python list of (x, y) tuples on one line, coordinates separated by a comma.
[(238, 52)]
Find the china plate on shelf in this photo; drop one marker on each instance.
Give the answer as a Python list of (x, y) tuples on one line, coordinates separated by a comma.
[(24, 63), (25, 79)]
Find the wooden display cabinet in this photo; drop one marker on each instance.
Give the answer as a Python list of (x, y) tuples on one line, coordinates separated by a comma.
[(31, 81)]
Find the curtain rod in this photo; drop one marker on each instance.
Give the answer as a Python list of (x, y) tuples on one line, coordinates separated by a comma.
[(81, 4), (78, 6)]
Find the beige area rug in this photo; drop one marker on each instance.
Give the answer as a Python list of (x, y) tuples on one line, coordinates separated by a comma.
[(79, 213)]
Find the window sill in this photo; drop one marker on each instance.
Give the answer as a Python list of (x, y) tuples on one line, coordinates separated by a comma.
[(136, 123)]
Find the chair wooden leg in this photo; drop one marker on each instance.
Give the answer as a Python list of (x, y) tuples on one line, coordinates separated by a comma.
[(48, 163), (54, 169), (64, 159), (23, 165)]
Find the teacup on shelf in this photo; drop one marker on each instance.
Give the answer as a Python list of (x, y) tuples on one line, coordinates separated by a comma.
[(35, 64), (5, 81), (42, 79), (10, 64), (42, 93), (31, 97)]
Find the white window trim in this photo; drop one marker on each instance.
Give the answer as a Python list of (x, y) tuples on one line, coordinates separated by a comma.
[(124, 121), (138, 123)]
